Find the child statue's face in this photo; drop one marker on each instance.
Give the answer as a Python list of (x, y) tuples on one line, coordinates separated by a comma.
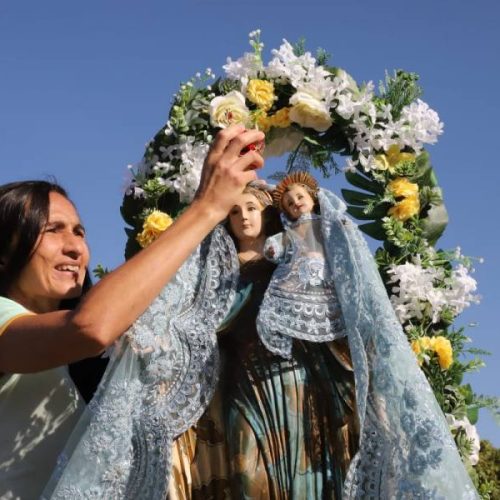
[(297, 201)]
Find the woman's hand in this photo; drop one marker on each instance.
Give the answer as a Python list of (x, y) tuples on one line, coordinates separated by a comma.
[(227, 171)]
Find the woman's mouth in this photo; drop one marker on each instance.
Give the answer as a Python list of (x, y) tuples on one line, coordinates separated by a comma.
[(69, 270)]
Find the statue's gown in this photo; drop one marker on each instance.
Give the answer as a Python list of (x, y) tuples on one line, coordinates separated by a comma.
[(276, 428)]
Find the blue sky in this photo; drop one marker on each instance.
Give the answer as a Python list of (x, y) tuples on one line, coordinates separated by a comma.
[(84, 85)]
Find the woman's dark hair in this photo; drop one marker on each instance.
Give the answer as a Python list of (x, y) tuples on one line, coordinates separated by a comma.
[(24, 212)]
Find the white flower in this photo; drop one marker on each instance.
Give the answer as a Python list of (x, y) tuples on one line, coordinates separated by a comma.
[(303, 74), (470, 432), (284, 141), (186, 182), (422, 290), (460, 288), (169, 130), (418, 125), (310, 112), (243, 68), (228, 109)]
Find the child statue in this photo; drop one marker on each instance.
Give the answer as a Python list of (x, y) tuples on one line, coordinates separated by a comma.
[(300, 301)]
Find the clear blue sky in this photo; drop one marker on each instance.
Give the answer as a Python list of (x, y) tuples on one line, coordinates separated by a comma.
[(84, 85)]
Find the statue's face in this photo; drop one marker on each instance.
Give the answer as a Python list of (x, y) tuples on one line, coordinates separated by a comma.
[(245, 218), (297, 201)]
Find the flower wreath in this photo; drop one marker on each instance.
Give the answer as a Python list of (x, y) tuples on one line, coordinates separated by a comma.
[(314, 112)]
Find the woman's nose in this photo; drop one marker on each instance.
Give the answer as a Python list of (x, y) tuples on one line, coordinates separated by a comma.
[(73, 245)]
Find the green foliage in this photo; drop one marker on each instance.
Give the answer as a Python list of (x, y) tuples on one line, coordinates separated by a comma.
[(487, 471), (99, 271), (322, 57), (400, 90), (299, 47)]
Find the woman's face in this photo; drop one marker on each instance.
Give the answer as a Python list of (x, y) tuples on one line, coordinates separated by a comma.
[(56, 270), (297, 201), (245, 218)]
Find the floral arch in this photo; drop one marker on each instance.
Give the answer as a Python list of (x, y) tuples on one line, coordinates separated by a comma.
[(315, 113)]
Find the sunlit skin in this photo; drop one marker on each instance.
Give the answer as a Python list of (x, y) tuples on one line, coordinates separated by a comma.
[(245, 220), (297, 201), (57, 268)]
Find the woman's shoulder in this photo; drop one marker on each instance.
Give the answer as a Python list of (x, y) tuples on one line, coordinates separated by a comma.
[(9, 311)]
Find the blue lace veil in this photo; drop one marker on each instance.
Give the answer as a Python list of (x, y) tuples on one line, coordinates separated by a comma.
[(159, 382), (164, 374)]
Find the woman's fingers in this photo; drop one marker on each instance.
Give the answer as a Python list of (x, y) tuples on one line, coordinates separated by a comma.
[(249, 161), (224, 137), (242, 140), (227, 171)]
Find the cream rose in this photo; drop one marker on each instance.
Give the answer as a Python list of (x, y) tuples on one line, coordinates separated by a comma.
[(309, 112), (228, 109)]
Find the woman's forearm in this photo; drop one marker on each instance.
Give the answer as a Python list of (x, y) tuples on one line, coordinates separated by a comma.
[(106, 313)]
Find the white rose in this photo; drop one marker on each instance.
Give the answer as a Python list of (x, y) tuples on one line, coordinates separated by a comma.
[(284, 141), (310, 112), (228, 109)]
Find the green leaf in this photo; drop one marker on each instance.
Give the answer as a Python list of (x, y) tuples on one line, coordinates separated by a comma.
[(473, 414), (373, 229), (131, 248), (377, 213), (130, 232), (363, 182), (357, 198), (130, 208)]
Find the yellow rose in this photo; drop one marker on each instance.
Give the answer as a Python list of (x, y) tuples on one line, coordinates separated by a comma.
[(263, 122), (403, 187), (443, 349), (406, 208), (281, 118), (261, 93), (392, 158), (310, 112), (229, 109), (419, 346), (415, 345), (156, 222)]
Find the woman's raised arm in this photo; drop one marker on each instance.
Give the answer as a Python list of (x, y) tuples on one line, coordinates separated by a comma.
[(37, 342)]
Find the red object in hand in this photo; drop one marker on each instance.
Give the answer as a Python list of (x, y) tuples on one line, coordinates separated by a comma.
[(255, 146)]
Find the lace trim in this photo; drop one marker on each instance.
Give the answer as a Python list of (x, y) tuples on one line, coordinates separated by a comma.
[(162, 383)]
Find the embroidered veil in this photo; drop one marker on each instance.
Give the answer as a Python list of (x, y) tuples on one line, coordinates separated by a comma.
[(165, 372)]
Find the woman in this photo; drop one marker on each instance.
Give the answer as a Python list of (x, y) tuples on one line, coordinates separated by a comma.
[(276, 428), (43, 261)]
